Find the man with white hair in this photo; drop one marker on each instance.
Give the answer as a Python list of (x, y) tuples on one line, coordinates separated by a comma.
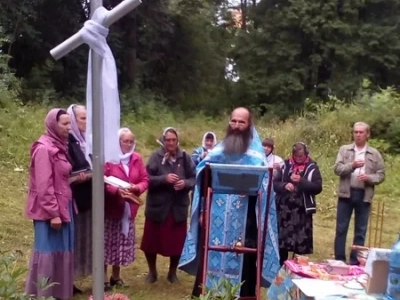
[(360, 168)]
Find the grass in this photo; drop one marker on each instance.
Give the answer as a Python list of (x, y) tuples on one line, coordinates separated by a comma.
[(20, 126)]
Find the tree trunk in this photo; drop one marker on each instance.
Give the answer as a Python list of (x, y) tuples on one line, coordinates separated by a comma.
[(243, 8), (130, 49)]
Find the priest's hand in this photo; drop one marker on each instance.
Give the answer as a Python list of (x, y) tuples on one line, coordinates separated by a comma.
[(56, 223), (172, 178), (179, 185)]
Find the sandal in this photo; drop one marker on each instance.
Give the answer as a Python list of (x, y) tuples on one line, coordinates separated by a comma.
[(117, 282)]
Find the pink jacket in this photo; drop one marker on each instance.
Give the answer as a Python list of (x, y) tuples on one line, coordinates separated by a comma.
[(114, 204), (49, 194)]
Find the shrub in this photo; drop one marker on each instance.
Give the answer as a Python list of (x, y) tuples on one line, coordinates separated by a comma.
[(331, 123), (220, 290), (10, 277)]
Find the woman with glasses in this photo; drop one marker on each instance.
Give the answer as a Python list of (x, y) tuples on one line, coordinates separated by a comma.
[(172, 177)]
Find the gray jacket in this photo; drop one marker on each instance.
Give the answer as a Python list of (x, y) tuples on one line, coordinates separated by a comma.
[(374, 167), (161, 196)]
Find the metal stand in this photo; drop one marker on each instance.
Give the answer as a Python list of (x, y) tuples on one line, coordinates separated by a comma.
[(239, 249), (98, 136)]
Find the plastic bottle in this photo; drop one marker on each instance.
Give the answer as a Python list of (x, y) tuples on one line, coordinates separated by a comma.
[(393, 282)]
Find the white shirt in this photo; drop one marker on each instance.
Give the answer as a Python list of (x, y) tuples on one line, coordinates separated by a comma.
[(274, 159), (359, 154)]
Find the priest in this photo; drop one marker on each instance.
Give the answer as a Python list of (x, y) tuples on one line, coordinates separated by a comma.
[(241, 145)]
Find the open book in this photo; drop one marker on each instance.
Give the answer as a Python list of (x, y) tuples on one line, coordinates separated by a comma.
[(114, 181)]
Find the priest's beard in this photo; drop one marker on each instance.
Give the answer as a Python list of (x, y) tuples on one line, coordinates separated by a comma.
[(237, 142)]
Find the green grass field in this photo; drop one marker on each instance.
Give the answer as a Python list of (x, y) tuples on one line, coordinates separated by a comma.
[(20, 126)]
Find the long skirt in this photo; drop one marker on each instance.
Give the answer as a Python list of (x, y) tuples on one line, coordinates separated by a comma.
[(52, 261), (83, 244), (119, 250), (166, 239), (295, 226)]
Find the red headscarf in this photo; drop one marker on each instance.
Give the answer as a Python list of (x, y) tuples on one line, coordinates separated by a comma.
[(297, 167)]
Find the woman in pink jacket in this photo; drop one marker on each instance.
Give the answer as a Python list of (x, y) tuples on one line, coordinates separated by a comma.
[(121, 207), (50, 206)]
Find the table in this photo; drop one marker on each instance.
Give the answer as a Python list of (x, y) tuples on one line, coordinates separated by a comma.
[(284, 288)]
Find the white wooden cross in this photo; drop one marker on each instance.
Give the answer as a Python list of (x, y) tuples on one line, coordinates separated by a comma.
[(97, 113)]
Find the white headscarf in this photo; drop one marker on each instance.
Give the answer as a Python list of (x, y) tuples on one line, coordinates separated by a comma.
[(124, 158), (203, 142)]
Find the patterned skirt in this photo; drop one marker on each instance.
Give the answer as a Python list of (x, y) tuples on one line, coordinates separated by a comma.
[(83, 244), (119, 250), (295, 226), (166, 239), (52, 259)]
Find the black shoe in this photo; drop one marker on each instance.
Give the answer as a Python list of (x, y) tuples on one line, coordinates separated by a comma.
[(151, 278), (119, 283), (107, 286), (172, 278), (76, 290)]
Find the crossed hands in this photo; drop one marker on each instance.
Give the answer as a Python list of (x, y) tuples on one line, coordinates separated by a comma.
[(179, 184), (289, 187), (294, 178)]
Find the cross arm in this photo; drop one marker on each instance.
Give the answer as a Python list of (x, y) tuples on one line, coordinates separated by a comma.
[(75, 41)]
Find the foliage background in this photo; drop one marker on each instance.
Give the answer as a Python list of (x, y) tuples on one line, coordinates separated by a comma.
[(212, 55)]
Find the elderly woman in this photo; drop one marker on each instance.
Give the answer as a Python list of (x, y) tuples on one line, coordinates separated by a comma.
[(296, 185), (121, 207), (172, 177), (82, 193), (50, 206)]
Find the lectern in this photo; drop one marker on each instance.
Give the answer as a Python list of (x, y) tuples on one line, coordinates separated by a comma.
[(239, 182)]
